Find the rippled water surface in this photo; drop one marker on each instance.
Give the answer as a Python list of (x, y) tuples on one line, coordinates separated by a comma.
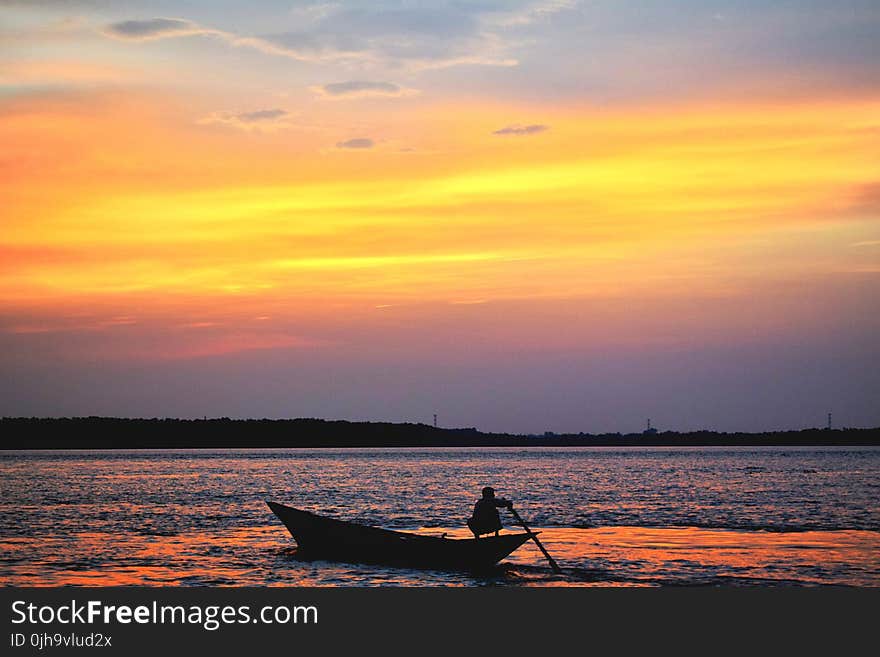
[(611, 516)]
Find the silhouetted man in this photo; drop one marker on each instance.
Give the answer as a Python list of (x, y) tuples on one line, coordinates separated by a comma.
[(486, 519)]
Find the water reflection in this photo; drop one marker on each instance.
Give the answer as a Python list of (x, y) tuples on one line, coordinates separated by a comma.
[(606, 556), (626, 517)]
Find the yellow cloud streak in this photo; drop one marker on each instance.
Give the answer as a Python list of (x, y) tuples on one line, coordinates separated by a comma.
[(487, 217)]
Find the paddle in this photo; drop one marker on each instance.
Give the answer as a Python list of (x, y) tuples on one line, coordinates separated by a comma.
[(553, 564)]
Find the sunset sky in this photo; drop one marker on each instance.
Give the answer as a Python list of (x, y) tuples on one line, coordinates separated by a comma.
[(523, 216)]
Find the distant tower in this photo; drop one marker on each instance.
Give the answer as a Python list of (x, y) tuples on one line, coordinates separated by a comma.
[(648, 428), (435, 420), (829, 420)]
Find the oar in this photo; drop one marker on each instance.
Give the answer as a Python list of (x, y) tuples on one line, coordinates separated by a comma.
[(553, 564)]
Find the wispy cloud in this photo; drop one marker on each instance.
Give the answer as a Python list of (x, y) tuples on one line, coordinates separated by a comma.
[(257, 120), (262, 115), (533, 12), (167, 28), (412, 37), (356, 143), (520, 130), (362, 89), (156, 28), (313, 13)]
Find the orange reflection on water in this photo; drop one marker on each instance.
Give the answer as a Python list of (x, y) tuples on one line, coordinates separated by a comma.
[(633, 556), (151, 560), (603, 556)]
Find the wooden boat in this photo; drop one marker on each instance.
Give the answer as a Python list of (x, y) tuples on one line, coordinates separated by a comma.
[(337, 540)]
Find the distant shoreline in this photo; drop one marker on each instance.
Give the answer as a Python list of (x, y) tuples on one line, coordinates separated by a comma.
[(121, 433)]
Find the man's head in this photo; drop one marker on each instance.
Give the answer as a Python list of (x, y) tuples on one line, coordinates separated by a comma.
[(488, 492)]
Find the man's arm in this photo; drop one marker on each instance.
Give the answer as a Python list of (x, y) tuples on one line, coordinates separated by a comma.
[(501, 502)]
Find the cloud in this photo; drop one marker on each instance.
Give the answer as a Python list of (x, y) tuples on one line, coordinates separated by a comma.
[(408, 36), (155, 28), (362, 89), (519, 130), (261, 115), (358, 142), (533, 12), (259, 120), (168, 28), (314, 12)]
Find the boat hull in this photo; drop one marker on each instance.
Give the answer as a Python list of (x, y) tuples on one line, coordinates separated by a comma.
[(337, 540)]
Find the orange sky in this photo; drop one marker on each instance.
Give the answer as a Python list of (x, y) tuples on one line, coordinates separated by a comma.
[(220, 226), (112, 198)]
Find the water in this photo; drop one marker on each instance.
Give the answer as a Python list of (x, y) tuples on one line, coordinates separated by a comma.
[(610, 516)]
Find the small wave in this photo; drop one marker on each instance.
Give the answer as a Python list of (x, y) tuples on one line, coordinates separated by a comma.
[(523, 573), (782, 528), (736, 581), (779, 528), (518, 574)]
